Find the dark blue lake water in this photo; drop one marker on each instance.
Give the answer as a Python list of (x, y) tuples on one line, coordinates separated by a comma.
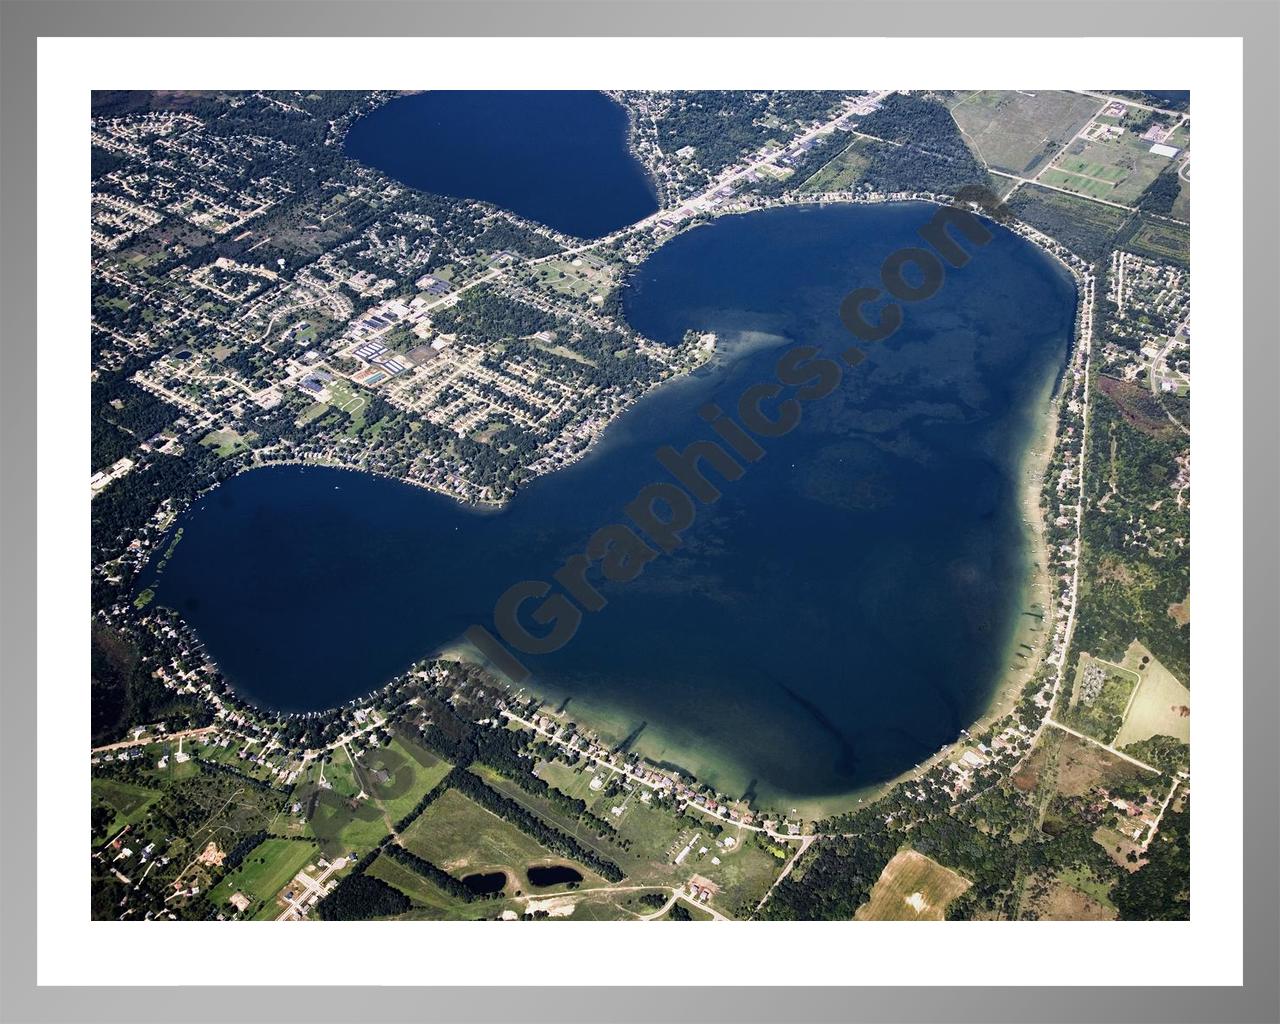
[(845, 609), (561, 158)]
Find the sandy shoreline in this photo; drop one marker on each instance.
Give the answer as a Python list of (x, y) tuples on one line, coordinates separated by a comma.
[(1036, 593)]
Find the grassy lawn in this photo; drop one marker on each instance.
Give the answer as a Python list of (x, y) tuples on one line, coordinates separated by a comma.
[(744, 873), (912, 888), (226, 442), (347, 397), (411, 773), (572, 277), (263, 873), (340, 825), (340, 773)]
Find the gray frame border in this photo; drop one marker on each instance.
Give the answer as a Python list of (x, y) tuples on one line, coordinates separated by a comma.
[(1256, 21)]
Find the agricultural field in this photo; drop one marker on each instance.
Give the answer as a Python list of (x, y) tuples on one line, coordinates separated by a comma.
[(1158, 239), (263, 874), (912, 887), (1117, 170), (1018, 132), (1161, 706)]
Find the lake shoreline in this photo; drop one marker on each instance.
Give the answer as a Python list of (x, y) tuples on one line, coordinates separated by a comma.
[(1037, 450)]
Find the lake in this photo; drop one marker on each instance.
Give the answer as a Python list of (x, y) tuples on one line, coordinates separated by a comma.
[(845, 609), (561, 158)]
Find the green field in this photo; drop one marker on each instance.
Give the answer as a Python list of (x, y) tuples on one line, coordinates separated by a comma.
[(1117, 170), (339, 824), (461, 837), (1018, 132), (1158, 706), (646, 831), (431, 903), (129, 801), (1080, 877), (411, 772), (572, 277), (226, 442), (263, 873), (348, 398), (340, 773)]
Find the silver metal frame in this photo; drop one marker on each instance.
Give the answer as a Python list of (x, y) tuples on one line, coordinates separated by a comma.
[(21, 23)]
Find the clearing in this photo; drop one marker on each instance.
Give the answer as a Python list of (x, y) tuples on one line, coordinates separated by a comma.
[(912, 887)]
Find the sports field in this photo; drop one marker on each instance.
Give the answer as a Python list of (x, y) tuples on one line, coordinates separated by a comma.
[(912, 888)]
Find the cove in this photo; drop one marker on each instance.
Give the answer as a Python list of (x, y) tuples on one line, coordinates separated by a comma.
[(561, 158), (844, 610)]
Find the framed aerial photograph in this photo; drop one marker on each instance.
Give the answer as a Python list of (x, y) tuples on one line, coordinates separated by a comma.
[(538, 488)]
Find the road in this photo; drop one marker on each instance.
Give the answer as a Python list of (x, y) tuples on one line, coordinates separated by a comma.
[(143, 741), (294, 908), (1105, 746), (805, 843)]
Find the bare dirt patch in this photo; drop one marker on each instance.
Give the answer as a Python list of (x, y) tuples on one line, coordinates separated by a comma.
[(212, 855)]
